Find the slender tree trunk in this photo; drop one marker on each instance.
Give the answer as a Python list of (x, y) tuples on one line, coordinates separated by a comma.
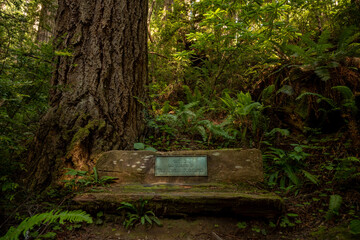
[(95, 103), (149, 20), (46, 21), (168, 8)]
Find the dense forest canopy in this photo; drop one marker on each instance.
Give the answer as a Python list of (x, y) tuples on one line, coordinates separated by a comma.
[(278, 75)]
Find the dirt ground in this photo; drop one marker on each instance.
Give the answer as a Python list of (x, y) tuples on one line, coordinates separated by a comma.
[(199, 228)]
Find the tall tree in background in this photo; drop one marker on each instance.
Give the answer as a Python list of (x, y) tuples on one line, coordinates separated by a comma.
[(99, 78), (46, 20)]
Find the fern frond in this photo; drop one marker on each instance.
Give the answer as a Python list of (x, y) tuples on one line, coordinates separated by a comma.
[(286, 89), (320, 98), (197, 94), (202, 132), (347, 36), (311, 177), (219, 131), (334, 206), (324, 37), (354, 226), (298, 51), (191, 105), (229, 102), (226, 122), (47, 217), (308, 41), (167, 118), (244, 98), (188, 93), (147, 218), (129, 206), (74, 216), (248, 108), (292, 176), (323, 73), (345, 92), (335, 202), (282, 131), (156, 220)]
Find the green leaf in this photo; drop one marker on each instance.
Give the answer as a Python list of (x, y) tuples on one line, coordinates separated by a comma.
[(286, 89), (267, 92), (282, 131), (126, 205), (107, 179), (249, 108), (47, 217), (156, 220), (74, 172), (335, 203), (309, 94), (150, 149), (139, 146), (320, 98), (99, 221), (48, 235), (241, 225), (352, 159), (298, 51), (311, 177), (355, 227), (334, 206), (345, 92), (323, 73), (63, 53), (150, 213), (202, 132), (292, 176), (292, 215), (96, 175), (142, 220), (133, 218), (148, 219), (298, 149)]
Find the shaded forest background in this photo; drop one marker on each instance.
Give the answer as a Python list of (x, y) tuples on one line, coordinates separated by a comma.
[(281, 76)]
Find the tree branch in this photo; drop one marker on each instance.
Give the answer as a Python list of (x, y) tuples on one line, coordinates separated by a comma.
[(158, 54)]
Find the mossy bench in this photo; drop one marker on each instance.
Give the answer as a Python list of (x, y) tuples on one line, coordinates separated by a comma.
[(228, 187)]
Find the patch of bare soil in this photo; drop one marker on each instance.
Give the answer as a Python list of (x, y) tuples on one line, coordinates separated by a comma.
[(199, 228)]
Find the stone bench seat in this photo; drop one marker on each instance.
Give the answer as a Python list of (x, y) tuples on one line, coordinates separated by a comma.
[(228, 189)]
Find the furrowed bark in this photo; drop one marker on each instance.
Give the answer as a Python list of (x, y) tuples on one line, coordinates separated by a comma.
[(99, 79)]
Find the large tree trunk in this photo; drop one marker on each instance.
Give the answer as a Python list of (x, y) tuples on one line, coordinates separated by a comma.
[(95, 103)]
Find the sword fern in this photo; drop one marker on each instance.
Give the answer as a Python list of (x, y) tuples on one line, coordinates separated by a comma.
[(46, 218)]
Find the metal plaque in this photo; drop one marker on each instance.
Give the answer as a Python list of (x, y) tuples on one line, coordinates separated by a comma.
[(181, 166)]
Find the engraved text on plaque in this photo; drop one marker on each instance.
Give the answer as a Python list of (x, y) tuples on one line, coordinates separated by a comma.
[(182, 166)]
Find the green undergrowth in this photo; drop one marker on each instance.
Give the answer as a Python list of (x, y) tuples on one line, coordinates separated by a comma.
[(25, 228), (280, 76)]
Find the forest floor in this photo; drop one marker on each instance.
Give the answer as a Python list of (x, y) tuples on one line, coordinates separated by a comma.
[(301, 221), (202, 228), (306, 216)]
